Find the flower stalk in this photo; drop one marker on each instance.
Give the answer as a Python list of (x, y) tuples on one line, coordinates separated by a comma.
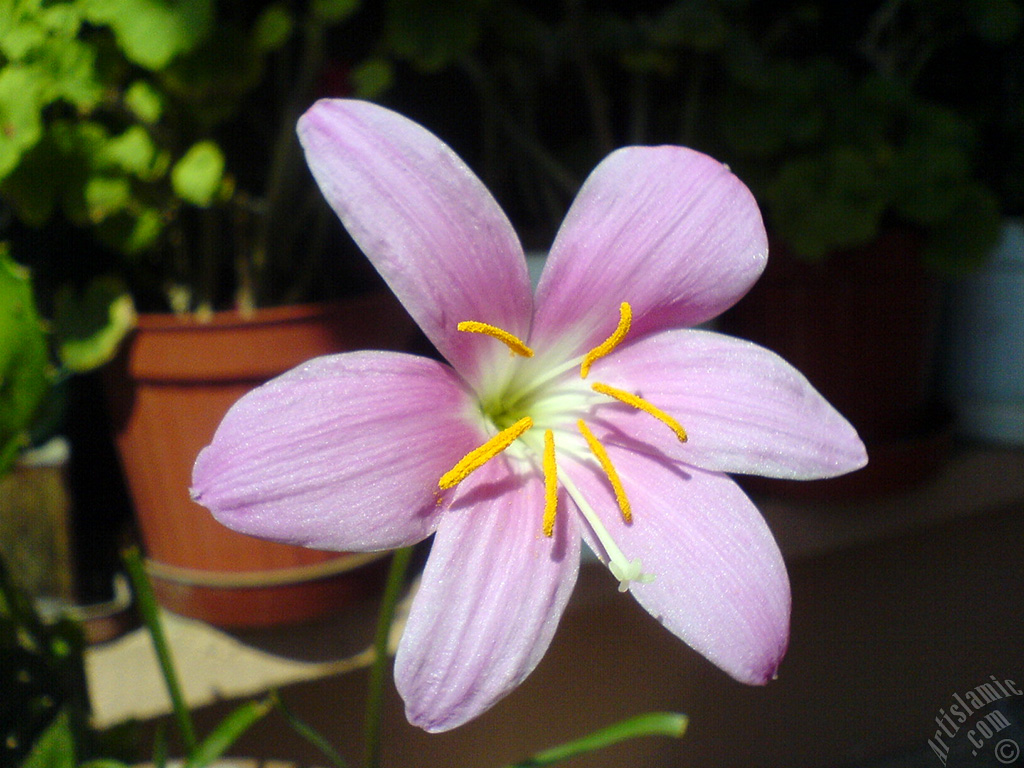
[(375, 691)]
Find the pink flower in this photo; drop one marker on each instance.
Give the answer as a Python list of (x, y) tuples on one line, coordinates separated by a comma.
[(590, 411)]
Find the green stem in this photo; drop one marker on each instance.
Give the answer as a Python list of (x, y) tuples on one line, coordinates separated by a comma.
[(649, 724), (375, 694), (228, 731), (146, 601), (309, 733)]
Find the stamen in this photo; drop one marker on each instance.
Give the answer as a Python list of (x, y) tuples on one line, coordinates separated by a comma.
[(606, 346), (479, 456), (639, 403), (550, 483), (512, 342), (606, 464)]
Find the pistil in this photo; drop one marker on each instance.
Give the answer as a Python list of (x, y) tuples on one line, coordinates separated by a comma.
[(626, 571)]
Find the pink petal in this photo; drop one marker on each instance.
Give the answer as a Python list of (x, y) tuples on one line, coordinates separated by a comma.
[(719, 580), (341, 453), (427, 223), (667, 229), (744, 408), (492, 594)]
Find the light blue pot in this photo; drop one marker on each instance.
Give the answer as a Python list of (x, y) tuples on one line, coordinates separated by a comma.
[(985, 362)]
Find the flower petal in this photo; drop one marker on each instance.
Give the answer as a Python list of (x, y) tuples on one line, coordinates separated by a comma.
[(492, 594), (719, 582), (744, 408), (427, 223), (342, 453), (667, 229)]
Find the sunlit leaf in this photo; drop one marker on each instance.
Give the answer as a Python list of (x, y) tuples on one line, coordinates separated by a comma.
[(152, 32), (24, 363), (197, 176), (90, 326)]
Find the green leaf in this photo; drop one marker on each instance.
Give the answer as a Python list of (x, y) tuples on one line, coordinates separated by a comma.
[(309, 733), (433, 35), (670, 724), (775, 109), (197, 176), (24, 363), (333, 11), (371, 78), (273, 27), (17, 40), (823, 203), (928, 181), (55, 748), (152, 32), (228, 731), (33, 186), (131, 232), (60, 19), (211, 80), (21, 104), (89, 327), (106, 195), (70, 66), (150, 612), (132, 152), (144, 101)]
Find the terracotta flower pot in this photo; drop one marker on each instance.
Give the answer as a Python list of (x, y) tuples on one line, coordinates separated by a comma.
[(168, 392)]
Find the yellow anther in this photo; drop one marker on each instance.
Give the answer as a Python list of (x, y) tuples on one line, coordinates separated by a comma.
[(476, 458), (606, 464), (639, 403), (606, 346), (512, 342), (550, 483)]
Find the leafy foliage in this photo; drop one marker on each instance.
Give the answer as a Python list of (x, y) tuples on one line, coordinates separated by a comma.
[(85, 334), (43, 709), (843, 119), (122, 116), (24, 364)]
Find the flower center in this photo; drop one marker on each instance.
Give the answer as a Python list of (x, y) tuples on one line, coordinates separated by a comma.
[(547, 400)]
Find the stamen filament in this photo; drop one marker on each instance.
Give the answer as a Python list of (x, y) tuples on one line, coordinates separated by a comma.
[(639, 403), (512, 342), (476, 458), (550, 484), (606, 346), (606, 464)]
